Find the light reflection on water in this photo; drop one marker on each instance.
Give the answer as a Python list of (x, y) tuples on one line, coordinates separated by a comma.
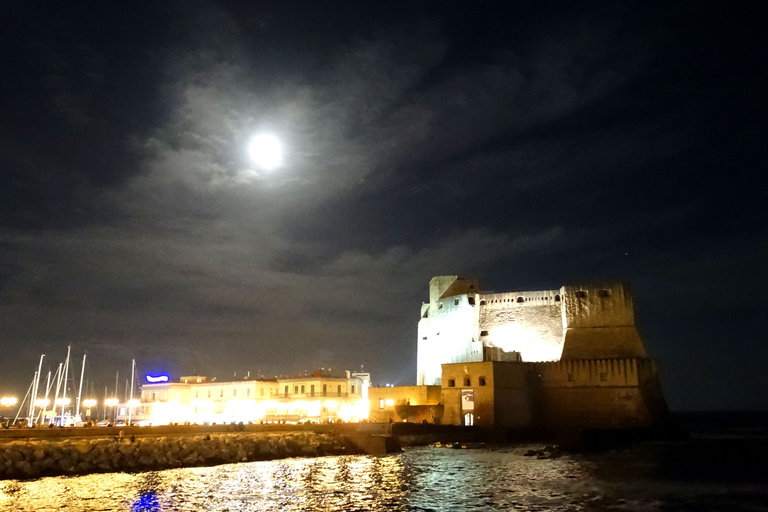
[(420, 479)]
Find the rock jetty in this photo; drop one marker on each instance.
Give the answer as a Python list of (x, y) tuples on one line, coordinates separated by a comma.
[(42, 457)]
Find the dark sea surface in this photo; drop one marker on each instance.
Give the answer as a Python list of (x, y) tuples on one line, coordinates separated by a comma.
[(724, 466)]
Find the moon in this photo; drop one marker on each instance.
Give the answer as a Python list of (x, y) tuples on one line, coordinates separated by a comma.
[(266, 151)]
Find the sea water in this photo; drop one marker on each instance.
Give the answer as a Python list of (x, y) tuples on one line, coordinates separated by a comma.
[(718, 469)]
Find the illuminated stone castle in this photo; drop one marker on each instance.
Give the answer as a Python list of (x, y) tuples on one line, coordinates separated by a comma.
[(460, 324), (565, 358)]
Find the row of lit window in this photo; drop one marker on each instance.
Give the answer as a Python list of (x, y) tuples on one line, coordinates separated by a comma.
[(234, 392), (467, 382), (301, 390)]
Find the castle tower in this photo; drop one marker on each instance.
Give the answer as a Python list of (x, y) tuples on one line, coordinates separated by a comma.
[(446, 328), (599, 323)]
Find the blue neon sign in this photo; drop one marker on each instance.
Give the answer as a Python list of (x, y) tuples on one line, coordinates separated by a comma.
[(153, 379)]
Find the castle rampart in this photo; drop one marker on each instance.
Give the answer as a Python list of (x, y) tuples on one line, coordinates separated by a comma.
[(583, 364)]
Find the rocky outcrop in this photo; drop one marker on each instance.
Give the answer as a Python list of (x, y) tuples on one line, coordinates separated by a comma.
[(36, 458)]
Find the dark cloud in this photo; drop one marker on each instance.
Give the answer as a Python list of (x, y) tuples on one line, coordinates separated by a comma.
[(531, 146)]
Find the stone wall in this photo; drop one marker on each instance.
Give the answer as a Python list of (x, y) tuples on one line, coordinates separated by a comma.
[(605, 393), (445, 334), (43, 457), (527, 322), (599, 322), (501, 392)]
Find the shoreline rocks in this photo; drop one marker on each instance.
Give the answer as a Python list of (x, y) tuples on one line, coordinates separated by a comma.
[(41, 457)]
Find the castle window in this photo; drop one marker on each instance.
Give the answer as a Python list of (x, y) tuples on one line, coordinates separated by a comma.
[(603, 293), (352, 389), (603, 376), (581, 294), (455, 302), (439, 306), (471, 287), (557, 298), (381, 403), (234, 392), (338, 390), (520, 299), (481, 381), (467, 382), (483, 333), (471, 301), (482, 302), (302, 389), (424, 337), (451, 383), (295, 390)]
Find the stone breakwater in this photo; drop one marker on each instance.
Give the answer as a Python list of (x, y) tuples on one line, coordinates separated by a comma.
[(39, 457)]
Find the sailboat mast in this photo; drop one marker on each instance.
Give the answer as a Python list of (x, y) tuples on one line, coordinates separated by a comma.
[(80, 389), (33, 398), (66, 374), (130, 405), (45, 402)]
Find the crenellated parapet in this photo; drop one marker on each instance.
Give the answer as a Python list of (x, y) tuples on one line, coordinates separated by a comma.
[(595, 372)]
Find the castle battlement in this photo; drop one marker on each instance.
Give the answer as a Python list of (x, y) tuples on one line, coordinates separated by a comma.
[(595, 372), (519, 299)]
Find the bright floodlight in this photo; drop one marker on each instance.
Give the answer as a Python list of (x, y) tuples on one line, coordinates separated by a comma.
[(265, 150)]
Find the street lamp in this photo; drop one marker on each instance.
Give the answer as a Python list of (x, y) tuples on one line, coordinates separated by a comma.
[(8, 401)]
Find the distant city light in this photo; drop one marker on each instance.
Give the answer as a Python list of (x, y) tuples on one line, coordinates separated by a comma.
[(266, 151)]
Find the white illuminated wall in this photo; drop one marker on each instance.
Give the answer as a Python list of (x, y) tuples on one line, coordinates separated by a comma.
[(445, 335)]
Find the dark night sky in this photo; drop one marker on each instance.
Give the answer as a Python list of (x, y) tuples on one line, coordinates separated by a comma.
[(527, 146)]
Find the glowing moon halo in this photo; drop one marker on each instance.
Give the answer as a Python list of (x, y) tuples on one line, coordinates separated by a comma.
[(266, 151)]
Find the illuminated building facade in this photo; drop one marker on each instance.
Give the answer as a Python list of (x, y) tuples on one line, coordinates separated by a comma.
[(198, 400)]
